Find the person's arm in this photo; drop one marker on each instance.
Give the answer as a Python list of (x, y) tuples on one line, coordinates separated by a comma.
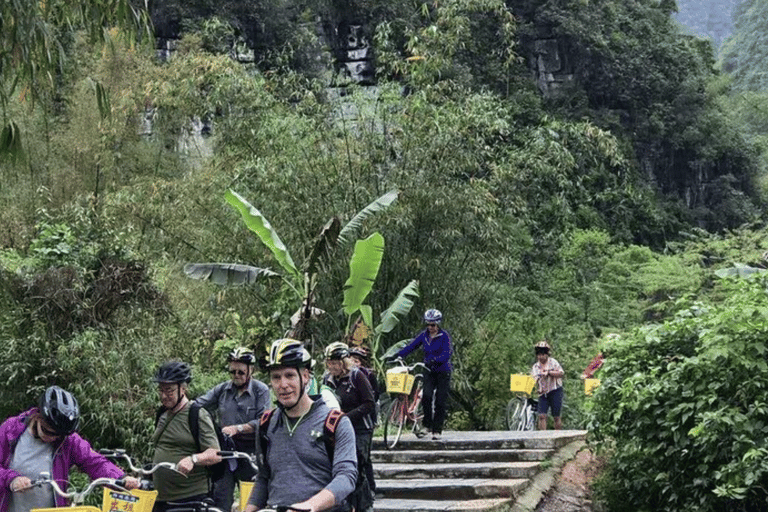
[(90, 462), (344, 471), (323, 500), (209, 440), (6, 475), (410, 347), (210, 400)]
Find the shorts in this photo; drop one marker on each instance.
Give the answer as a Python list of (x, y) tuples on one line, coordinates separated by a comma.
[(552, 399)]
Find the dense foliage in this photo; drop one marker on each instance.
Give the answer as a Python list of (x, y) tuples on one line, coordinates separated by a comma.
[(684, 406), (744, 54), (520, 216)]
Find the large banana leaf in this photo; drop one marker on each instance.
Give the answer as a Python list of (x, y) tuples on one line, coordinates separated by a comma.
[(363, 269), (323, 246), (349, 232), (398, 308), (261, 226), (227, 273)]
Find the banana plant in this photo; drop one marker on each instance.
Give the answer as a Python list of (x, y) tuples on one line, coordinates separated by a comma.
[(302, 281), (389, 319)]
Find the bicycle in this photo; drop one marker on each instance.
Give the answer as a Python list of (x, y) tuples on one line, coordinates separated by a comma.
[(404, 412), (521, 409), (245, 486), (136, 503)]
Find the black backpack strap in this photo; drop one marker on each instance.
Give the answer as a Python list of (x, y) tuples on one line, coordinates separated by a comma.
[(329, 431), (194, 424)]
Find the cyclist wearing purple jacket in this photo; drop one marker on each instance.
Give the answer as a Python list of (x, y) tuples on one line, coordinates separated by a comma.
[(437, 380), (45, 439)]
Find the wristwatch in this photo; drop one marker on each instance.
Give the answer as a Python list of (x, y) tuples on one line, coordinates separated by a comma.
[(194, 458), (239, 428)]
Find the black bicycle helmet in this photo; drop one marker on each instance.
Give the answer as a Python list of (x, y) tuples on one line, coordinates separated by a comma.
[(241, 355), (337, 350), (290, 353), (174, 372), (60, 410), (360, 352)]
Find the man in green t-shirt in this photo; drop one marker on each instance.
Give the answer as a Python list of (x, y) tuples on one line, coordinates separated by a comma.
[(173, 441)]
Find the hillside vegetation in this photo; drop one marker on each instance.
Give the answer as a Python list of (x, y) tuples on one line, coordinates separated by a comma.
[(608, 207)]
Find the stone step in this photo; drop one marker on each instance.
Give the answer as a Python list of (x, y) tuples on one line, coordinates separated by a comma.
[(453, 470), (492, 440), (436, 456), (449, 488), (485, 505)]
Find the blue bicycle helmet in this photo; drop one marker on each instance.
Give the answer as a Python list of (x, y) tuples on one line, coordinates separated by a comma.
[(433, 316)]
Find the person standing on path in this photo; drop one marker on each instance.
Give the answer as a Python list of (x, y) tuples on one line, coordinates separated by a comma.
[(549, 381), (437, 379), (238, 403)]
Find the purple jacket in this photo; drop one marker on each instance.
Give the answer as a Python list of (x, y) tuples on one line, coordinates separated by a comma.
[(73, 450), (437, 350)]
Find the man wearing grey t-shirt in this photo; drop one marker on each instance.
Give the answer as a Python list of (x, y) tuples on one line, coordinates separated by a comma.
[(295, 469)]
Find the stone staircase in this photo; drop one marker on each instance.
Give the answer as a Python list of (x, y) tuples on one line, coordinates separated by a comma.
[(464, 471)]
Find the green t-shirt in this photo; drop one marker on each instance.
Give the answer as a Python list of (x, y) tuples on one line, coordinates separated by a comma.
[(173, 441)]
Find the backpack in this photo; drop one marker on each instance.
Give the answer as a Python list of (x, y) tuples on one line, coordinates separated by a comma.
[(361, 498), (216, 471)]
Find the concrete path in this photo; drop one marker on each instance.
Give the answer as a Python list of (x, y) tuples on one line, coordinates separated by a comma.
[(471, 471)]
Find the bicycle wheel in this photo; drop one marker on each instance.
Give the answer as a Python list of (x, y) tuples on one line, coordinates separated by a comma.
[(530, 417), (393, 424), (415, 411), (515, 414)]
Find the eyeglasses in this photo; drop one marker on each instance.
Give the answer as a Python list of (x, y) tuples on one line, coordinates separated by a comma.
[(237, 372), (431, 325), (166, 391)]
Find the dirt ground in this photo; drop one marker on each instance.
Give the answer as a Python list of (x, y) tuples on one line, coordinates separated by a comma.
[(572, 491)]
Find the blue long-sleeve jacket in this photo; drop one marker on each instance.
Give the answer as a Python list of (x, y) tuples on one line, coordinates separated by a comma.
[(437, 350)]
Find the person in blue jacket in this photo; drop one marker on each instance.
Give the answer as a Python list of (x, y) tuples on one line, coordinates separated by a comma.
[(437, 379)]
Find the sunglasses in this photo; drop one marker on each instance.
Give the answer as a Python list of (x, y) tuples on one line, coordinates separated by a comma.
[(237, 372), (48, 432)]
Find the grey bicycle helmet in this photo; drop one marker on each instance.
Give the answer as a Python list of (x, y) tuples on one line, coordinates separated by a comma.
[(174, 372), (337, 350), (60, 410)]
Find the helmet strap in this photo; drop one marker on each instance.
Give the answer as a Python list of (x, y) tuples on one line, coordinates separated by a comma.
[(247, 380), (302, 385)]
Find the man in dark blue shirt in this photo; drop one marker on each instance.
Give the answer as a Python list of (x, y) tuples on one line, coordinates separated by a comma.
[(238, 404)]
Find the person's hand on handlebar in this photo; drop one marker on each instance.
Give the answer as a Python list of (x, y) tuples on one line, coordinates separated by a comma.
[(20, 484), (131, 483)]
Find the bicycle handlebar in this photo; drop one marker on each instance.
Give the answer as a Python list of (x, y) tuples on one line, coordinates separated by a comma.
[(78, 497), (410, 368), (122, 455), (251, 458)]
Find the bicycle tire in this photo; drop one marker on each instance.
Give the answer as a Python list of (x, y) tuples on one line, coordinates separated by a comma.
[(393, 425), (530, 417), (414, 406), (514, 414)]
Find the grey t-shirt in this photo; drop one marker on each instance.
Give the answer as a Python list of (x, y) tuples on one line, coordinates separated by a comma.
[(30, 458), (298, 464)]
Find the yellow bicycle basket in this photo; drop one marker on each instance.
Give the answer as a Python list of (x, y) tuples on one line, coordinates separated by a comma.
[(245, 493), (398, 381), (520, 383), (590, 385), (135, 501)]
